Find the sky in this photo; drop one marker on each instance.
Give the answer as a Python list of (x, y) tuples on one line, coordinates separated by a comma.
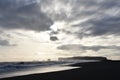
[(47, 29)]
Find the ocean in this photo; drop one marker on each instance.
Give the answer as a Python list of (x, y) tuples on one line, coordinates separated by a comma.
[(11, 69)]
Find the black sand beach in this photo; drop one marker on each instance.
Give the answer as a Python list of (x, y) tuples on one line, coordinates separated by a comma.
[(104, 70)]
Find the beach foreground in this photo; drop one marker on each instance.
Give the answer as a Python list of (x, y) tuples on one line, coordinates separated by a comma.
[(104, 70)]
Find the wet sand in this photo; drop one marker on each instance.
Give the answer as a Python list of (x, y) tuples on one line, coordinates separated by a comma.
[(104, 70), (36, 70)]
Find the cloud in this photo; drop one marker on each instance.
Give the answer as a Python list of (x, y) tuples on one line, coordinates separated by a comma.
[(74, 47), (23, 14), (66, 22), (105, 26), (6, 38), (6, 43), (53, 38), (91, 18), (103, 19)]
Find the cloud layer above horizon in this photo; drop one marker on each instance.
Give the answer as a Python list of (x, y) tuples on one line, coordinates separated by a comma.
[(82, 25), (92, 18)]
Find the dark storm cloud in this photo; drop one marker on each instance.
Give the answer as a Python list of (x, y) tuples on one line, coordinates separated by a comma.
[(84, 48), (23, 14)]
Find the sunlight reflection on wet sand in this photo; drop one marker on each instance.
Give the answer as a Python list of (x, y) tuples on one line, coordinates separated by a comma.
[(36, 70)]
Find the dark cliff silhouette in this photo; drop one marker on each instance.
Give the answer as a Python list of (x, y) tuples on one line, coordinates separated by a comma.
[(84, 58)]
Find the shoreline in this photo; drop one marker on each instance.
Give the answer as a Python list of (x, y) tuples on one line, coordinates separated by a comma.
[(104, 70), (37, 70)]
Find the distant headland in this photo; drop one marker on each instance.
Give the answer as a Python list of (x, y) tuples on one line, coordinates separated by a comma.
[(83, 58)]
